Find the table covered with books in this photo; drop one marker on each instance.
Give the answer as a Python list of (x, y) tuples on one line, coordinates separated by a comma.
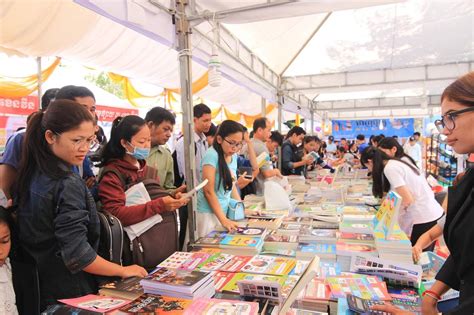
[(334, 250)]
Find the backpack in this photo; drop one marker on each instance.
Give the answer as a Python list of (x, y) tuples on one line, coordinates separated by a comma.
[(111, 239), (153, 246)]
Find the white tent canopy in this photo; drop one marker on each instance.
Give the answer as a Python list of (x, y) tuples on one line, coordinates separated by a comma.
[(351, 58)]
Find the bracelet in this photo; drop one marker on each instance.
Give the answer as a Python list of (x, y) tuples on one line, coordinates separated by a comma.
[(432, 294)]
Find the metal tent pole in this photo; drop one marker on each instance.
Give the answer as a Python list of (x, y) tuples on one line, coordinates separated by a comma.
[(281, 100), (183, 32), (312, 119), (264, 107), (40, 81)]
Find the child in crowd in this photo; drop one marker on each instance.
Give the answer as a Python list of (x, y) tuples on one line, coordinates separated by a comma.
[(56, 212), (7, 293)]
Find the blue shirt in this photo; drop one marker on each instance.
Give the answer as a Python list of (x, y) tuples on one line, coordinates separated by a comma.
[(362, 147), (211, 158), (12, 153)]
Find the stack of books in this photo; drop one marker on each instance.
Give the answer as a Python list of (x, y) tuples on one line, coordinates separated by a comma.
[(396, 248), (316, 296), (276, 240), (218, 306), (308, 234), (179, 283), (345, 251), (245, 241)]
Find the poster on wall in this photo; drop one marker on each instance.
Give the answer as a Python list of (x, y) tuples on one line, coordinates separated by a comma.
[(349, 129)]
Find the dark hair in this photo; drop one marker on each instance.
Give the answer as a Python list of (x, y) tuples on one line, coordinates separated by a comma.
[(70, 92), (226, 128), (259, 123), (276, 137), (37, 155), (48, 96), (201, 109), (376, 139), (389, 143), (212, 131), (122, 128), (308, 139), (157, 115), (416, 133), (461, 91), (341, 149), (7, 218), (296, 130), (380, 184), (343, 139), (360, 137)]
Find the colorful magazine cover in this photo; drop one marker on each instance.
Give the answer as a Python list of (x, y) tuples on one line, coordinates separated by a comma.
[(215, 262), (236, 263), (317, 248), (232, 286), (175, 260), (242, 241), (249, 231), (195, 260), (221, 278), (269, 265), (95, 303), (175, 277), (363, 287), (222, 307), (157, 305)]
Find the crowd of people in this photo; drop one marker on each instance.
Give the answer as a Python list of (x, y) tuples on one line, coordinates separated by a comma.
[(50, 233)]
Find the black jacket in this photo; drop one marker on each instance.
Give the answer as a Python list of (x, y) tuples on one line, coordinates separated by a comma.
[(458, 270), (59, 230), (289, 155)]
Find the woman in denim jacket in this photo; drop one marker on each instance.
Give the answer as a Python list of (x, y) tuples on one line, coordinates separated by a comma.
[(57, 218)]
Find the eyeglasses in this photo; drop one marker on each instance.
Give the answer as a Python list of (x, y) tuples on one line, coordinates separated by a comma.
[(235, 145), (447, 120), (91, 143)]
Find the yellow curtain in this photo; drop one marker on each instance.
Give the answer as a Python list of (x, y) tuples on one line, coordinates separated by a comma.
[(197, 85), (297, 120), (128, 90), (215, 112), (24, 86)]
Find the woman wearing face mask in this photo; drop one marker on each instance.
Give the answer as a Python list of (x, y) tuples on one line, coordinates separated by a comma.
[(125, 153), (219, 167), (59, 226), (419, 210)]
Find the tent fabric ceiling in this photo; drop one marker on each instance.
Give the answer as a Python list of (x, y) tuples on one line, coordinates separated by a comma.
[(365, 35)]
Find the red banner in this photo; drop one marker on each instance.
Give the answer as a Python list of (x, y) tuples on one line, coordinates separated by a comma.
[(106, 113), (19, 106)]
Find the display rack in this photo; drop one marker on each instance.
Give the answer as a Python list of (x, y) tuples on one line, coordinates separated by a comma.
[(440, 161)]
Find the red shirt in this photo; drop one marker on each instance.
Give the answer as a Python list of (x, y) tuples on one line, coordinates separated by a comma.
[(112, 193)]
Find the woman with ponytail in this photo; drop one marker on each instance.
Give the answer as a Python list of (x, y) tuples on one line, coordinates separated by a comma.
[(125, 154), (419, 210), (59, 226), (219, 167)]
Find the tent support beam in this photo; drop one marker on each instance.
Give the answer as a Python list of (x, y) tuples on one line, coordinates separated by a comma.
[(40, 79), (306, 42), (264, 107), (183, 31), (224, 13)]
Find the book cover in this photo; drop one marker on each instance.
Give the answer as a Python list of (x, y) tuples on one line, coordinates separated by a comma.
[(175, 277), (249, 231), (269, 265), (156, 304), (345, 248), (224, 307), (175, 260), (281, 238), (212, 239), (195, 260), (241, 241), (328, 269), (317, 249), (317, 289), (232, 286), (359, 286), (221, 278), (215, 262), (236, 263), (95, 303), (61, 309), (128, 288), (355, 236)]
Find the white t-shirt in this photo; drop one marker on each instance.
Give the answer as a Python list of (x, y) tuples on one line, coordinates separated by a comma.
[(425, 208), (7, 294)]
